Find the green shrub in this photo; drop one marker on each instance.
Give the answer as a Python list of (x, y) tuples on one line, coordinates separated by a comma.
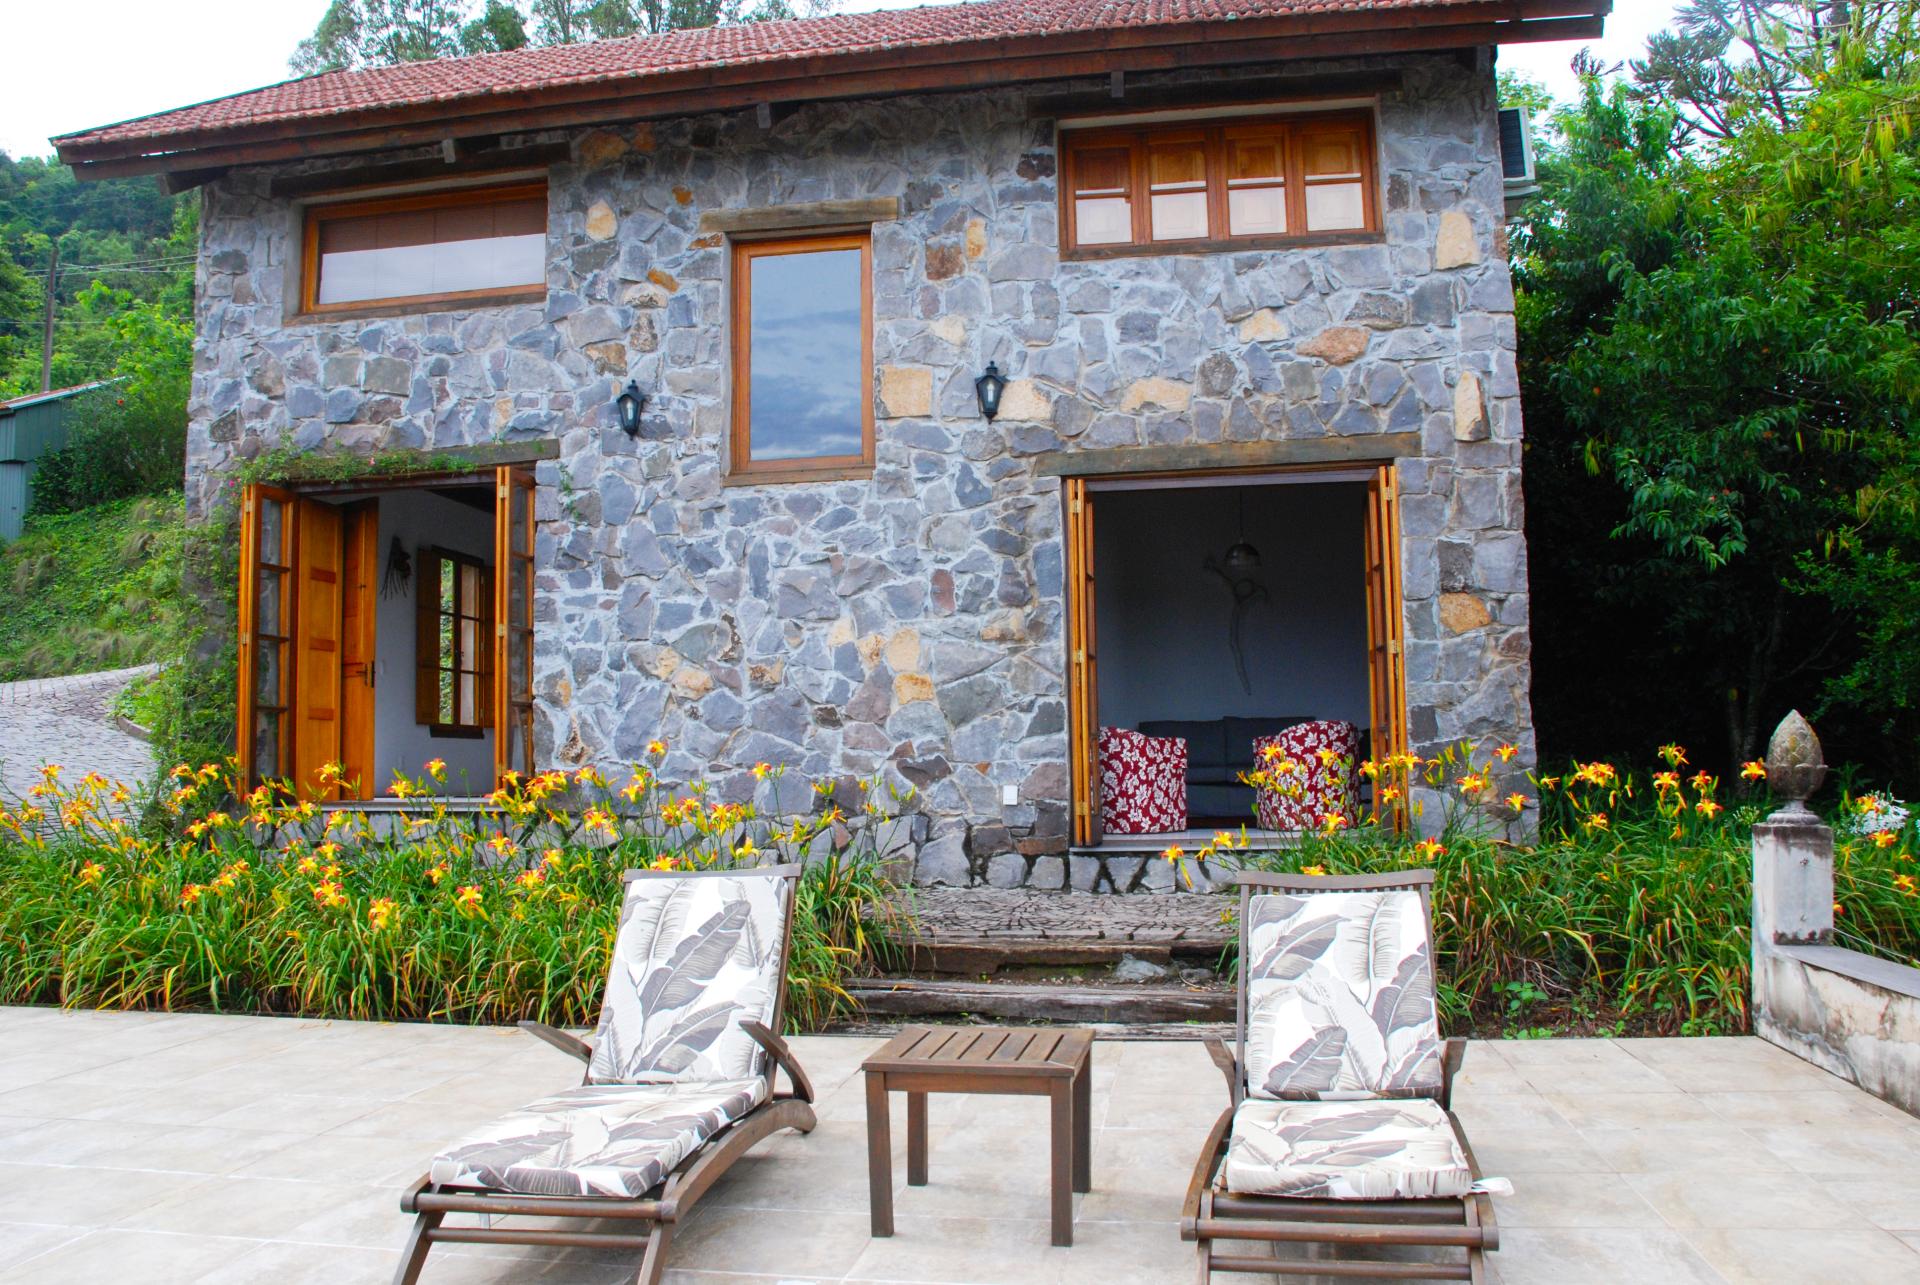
[(423, 914), (1618, 898)]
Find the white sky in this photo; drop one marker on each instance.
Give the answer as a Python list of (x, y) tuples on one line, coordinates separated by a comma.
[(139, 57)]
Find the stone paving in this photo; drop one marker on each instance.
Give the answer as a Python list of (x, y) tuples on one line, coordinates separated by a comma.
[(159, 1148), (68, 721)]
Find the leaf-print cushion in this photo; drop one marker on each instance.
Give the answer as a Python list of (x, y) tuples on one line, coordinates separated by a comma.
[(1340, 996), (595, 1140), (694, 957), (1403, 1150)]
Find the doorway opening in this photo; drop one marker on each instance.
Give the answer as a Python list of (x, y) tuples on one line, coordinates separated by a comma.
[(1222, 609), (384, 624)]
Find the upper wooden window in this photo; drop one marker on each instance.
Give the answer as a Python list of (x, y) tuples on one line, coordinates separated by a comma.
[(465, 246), (802, 358), (1192, 185)]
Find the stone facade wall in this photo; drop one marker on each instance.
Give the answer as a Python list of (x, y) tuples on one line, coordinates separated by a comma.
[(911, 625)]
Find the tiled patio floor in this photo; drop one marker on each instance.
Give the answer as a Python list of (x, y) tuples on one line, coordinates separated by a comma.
[(141, 1149)]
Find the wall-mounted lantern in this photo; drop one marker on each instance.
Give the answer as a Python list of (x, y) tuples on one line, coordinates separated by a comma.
[(988, 389), (630, 400)]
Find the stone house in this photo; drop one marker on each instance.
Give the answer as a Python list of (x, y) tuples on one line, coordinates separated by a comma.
[(698, 324)]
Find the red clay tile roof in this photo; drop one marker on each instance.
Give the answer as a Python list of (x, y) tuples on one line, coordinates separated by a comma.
[(451, 80)]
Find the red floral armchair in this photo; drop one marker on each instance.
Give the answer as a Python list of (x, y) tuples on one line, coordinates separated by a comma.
[(1313, 774), (1143, 782)]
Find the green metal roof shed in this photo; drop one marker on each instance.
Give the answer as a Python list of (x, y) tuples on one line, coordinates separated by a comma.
[(30, 427)]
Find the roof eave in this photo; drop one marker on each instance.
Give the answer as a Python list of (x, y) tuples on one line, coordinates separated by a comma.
[(961, 65)]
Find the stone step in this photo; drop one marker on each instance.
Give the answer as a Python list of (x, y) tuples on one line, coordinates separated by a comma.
[(885, 997)]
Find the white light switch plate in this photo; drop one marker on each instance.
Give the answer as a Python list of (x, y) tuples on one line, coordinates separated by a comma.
[(1009, 794)]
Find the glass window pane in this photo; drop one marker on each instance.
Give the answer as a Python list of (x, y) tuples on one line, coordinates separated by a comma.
[(1334, 206), (469, 710), (1105, 220), (1179, 216), (1253, 211), (491, 263), (266, 601), (808, 385), (266, 745), (266, 673), (272, 541)]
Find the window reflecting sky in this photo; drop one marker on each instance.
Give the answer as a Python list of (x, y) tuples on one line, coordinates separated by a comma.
[(806, 374)]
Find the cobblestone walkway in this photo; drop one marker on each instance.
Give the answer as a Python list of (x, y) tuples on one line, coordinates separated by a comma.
[(68, 721), (1018, 913)]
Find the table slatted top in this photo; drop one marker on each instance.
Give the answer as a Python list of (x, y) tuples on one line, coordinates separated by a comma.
[(987, 1050)]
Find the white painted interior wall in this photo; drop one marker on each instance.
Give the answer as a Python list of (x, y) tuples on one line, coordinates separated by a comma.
[(1162, 619), (420, 519)]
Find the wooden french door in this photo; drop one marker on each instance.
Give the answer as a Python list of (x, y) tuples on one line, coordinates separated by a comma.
[(513, 620), (1386, 635), (1083, 688), (360, 540), (263, 739), (319, 554)]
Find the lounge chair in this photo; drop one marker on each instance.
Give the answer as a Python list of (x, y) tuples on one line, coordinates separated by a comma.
[(1340, 1130), (679, 1081)]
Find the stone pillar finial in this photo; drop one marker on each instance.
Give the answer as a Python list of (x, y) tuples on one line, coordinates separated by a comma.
[(1796, 767)]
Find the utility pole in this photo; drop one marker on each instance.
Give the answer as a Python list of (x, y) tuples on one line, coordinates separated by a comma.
[(46, 324)]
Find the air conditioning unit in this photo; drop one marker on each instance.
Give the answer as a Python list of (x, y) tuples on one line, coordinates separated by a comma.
[(1516, 158)]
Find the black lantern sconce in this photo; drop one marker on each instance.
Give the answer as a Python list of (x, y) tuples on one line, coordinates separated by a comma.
[(630, 400), (988, 389)]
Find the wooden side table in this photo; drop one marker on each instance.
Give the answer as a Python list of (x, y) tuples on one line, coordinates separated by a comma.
[(1052, 1063)]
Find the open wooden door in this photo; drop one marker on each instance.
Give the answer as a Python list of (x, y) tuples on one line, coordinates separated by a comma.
[(358, 612), (1386, 636), (512, 658), (319, 556), (1083, 704), (263, 738)]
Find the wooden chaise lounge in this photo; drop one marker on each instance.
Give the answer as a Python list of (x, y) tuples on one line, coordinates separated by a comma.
[(1340, 1130), (679, 1081)]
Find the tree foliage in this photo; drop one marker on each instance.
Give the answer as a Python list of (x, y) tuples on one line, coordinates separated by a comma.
[(1723, 385)]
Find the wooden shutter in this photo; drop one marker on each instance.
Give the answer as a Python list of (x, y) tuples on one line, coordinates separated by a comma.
[(1386, 632), (265, 606), (513, 620), (1083, 713), (318, 557), (426, 638), (358, 633)]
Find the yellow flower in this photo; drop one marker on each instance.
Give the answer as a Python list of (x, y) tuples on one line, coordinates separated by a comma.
[(656, 748), (380, 913), (1674, 755), (328, 894), (1506, 753), (552, 857), (661, 863), (51, 772), (436, 873), (1664, 781), (437, 769), (1906, 884), (1707, 808), (1753, 771), (1327, 755), (190, 894), (1332, 823), (760, 770), (531, 878), (1316, 872), (1428, 849), (1174, 853), (307, 866), (596, 819), (1518, 802), (1704, 782), (468, 898), (1598, 821), (91, 872)]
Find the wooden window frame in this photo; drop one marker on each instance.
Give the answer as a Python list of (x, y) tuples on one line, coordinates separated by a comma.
[(313, 216), (1289, 126), (434, 608), (742, 468)]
